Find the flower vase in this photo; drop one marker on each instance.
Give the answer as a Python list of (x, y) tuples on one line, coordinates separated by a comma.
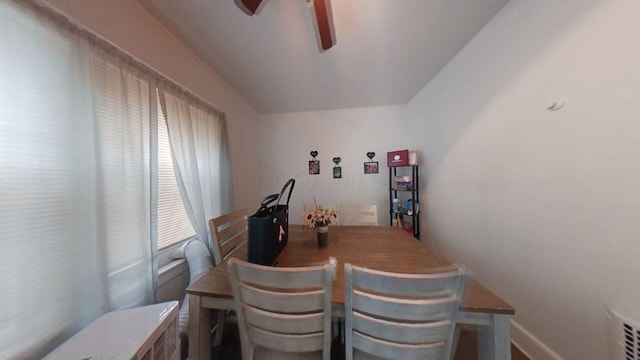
[(323, 234)]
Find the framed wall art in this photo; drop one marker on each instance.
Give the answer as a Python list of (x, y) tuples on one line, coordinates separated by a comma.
[(314, 165), (371, 167), (337, 170)]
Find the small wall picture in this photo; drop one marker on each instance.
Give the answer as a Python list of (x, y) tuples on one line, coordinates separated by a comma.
[(314, 167), (371, 167), (337, 172)]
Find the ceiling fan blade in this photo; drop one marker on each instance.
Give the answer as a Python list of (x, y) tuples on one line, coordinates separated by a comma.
[(249, 7), (325, 31)]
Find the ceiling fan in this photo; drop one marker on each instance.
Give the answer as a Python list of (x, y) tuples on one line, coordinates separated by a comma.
[(323, 25)]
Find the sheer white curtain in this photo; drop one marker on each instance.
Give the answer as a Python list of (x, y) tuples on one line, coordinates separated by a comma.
[(198, 142), (123, 97), (74, 184)]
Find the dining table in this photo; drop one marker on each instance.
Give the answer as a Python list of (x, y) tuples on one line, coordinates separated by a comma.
[(384, 248)]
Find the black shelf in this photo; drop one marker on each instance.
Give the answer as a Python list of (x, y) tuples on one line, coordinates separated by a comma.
[(410, 222)]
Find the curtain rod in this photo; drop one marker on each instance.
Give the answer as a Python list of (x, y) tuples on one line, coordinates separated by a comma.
[(45, 10)]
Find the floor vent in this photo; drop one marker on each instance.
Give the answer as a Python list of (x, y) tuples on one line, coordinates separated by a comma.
[(624, 336)]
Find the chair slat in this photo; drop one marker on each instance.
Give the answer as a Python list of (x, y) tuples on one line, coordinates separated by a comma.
[(290, 302), (388, 350), (288, 278), (232, 217), (401, 316), (436, 284), (284, 323), (286, 342), (404, 309), (403, 332), (231, 230), (232, 243)]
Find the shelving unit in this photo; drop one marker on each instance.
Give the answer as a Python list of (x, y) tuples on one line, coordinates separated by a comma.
[(408, 195)]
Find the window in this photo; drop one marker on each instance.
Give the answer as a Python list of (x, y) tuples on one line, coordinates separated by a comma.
[(76, 178), (173, 222), (74, 183)]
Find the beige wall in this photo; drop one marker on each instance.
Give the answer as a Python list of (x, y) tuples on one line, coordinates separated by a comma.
[(287, 140), (542, 205), (126, 24)]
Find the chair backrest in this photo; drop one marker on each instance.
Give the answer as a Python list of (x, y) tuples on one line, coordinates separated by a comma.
[(310, 208), (229, 232), (358, 215), (282, 309), (401, 316)]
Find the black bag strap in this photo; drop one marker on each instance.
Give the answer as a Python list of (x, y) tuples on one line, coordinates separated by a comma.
[(291, 182), (264, 205)]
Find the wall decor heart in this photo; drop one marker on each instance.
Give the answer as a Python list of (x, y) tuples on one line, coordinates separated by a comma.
[(371, 154), (336, 160), (314, 153)]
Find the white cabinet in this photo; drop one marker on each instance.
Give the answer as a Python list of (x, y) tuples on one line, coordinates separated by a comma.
[(143, 333)]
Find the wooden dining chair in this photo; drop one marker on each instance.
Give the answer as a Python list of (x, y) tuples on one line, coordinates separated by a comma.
[(283, 313), (229, 232), (401, 316), (358, 215)]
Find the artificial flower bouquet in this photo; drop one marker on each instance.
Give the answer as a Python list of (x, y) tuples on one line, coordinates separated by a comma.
[(320, 216)]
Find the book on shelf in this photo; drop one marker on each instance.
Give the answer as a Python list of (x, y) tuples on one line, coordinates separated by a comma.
[(403, 182)]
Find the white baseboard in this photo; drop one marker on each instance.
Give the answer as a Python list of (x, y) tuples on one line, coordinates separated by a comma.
[(530, 345)]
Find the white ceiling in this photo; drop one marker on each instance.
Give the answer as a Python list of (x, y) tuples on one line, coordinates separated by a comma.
[(386, 50)]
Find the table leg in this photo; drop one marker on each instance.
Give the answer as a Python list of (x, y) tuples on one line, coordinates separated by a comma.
[(494, 340), (217, 338), (199, 323)]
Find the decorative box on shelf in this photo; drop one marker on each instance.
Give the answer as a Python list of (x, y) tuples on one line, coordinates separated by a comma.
[(402, 158), (398, 158)]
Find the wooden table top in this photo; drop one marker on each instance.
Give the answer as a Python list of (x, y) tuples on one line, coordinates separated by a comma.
[(377, 247)]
